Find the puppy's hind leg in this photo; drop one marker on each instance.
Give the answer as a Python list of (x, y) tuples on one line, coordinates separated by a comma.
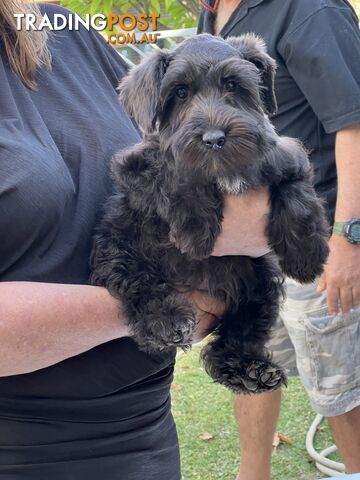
[(232, 359), (236, 356)]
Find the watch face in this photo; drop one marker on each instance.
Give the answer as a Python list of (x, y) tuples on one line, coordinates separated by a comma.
[(354, 231)]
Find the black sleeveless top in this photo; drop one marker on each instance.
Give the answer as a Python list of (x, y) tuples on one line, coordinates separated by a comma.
[(104, 414)]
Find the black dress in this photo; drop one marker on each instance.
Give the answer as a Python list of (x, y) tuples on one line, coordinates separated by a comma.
[(104, 414)]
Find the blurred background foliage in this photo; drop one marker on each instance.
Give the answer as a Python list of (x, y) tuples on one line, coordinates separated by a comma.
[(173, 13)]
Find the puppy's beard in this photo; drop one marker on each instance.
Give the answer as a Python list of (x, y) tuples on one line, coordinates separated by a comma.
[(233, 186), (232, 167), (243, 141)]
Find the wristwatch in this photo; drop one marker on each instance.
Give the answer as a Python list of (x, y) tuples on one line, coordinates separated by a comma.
[(350, 230)]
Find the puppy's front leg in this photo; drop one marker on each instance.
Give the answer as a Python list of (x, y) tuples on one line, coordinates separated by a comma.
[(159, 317), (297, 228), (194, 217)]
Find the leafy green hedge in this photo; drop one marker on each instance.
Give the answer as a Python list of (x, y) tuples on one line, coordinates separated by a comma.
[(173, 13)]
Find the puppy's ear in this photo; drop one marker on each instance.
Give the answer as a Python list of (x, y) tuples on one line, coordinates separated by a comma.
[(253, 49), (139, 90)]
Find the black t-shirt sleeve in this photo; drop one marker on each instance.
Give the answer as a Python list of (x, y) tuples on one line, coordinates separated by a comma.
[(91, 43), (109, 59), (323, 56)]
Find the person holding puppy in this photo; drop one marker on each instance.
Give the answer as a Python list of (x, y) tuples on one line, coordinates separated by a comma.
[(316, 45), (78, 399)]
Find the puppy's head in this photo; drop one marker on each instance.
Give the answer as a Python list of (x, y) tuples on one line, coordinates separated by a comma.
[(208, 99)]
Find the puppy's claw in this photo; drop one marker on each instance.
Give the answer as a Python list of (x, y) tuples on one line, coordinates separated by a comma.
[(263, 377)]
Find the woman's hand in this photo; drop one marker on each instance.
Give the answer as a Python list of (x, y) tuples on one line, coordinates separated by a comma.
[(208, 309), (244, 225)]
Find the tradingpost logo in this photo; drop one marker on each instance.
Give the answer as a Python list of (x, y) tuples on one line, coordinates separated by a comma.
[(117, 29)]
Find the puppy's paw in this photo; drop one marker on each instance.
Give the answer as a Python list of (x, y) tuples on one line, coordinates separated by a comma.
[(243, 376), (260, 376), (170, 324), (180, 326), (307, 263)]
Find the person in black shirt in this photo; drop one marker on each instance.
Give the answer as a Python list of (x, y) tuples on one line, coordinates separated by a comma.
[(316, 44), (78, 400)]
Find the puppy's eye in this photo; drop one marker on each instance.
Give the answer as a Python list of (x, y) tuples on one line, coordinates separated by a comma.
[(230, 85), (182, 91)]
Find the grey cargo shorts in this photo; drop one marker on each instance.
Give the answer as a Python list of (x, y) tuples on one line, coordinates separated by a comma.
[(322, 349)]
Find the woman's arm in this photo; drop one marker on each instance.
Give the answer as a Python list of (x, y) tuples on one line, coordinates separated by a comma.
[(244, 225), (42, 323)]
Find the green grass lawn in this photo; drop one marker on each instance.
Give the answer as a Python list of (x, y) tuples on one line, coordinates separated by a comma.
[(200, 406)]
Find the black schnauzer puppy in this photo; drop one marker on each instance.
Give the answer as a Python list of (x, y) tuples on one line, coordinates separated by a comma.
[(203, 109)]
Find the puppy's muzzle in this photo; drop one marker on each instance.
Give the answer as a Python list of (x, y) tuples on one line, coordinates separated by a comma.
[(214, 139)]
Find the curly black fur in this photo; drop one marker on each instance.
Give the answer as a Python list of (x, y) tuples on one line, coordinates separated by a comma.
[(159, 231)]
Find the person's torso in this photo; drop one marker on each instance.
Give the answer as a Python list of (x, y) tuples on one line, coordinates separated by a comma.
[(56, 143)]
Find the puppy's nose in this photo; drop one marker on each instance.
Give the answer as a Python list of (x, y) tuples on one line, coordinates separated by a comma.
[(214, 139)]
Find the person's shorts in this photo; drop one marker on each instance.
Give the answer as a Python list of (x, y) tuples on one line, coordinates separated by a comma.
[(324, 350)]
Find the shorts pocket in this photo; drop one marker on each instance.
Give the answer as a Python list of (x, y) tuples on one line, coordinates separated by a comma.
[(334, 344)]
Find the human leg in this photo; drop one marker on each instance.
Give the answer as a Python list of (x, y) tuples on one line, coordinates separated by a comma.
[(257, 415), (346, 432)]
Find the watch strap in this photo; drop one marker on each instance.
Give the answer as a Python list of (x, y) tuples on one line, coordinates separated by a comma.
[(339, 228)]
